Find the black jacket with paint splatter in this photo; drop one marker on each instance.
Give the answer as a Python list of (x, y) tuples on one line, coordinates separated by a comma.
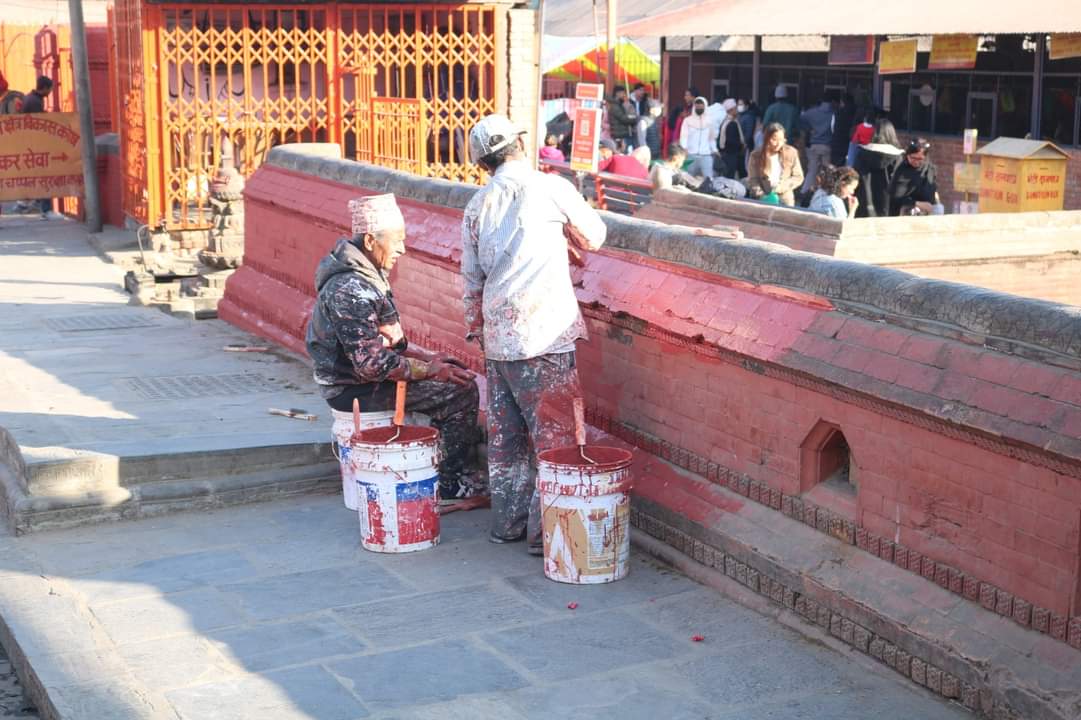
[(344, 342)]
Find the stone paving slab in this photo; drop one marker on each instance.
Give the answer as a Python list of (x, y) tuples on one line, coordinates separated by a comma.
[(190, 617), (118, 411)]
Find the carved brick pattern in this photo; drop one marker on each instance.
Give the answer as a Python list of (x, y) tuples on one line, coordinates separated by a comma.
[(917, 669), (957, 582)]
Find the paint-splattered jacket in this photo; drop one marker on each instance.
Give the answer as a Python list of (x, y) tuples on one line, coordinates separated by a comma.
[(518, 293), (347, 334)]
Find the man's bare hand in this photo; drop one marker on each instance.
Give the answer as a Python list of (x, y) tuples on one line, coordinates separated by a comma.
[(443, 371)]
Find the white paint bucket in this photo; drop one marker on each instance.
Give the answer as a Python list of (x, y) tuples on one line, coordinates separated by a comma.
[(585, 514), (397, 487), (341, 431)]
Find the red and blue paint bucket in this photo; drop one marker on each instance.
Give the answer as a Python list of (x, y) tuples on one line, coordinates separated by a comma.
[(397, 483)]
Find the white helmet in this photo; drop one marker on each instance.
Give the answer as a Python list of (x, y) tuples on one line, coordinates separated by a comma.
[(493, 133)]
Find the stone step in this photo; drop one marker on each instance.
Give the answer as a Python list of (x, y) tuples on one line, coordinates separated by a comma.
[(184, 489)]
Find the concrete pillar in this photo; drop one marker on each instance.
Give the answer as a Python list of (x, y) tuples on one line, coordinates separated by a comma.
[(756, 67), (523, 73), (1037, 86)]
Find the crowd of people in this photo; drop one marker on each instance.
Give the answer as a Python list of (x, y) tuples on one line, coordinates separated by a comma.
[(833, 157)]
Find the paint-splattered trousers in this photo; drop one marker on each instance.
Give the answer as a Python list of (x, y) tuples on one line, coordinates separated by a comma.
[(453, 410), (530, 409)]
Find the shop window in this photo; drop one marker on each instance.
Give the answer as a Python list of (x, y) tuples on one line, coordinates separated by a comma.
[(827, 469), (1061, 105), (719, 91), (921, 108), (981, 112)]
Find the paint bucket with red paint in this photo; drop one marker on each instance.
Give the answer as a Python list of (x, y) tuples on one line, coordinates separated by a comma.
[(342, 430), (397, 487), (585, 513)]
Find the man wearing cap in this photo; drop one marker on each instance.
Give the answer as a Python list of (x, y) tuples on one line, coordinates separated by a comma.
[(521, 308), (783, 112), (358, 348)]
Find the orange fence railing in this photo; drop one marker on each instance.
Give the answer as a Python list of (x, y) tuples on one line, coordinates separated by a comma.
[(396, 85)]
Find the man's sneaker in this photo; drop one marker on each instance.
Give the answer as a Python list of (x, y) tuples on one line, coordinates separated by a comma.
[(504, 540), (51, 215)]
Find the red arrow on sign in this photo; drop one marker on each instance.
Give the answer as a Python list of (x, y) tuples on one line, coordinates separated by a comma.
[(62, 156)]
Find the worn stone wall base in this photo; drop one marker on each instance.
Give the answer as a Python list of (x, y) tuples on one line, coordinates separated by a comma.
[(980, 671)]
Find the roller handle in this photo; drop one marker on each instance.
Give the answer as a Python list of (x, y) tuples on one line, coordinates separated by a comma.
[(399, 404), (579, 422), (356, 415)]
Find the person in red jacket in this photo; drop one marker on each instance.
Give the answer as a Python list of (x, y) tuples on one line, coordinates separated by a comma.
[(616, 164)]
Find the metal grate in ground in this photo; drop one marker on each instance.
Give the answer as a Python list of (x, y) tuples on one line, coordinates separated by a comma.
[(187, 387), (102, 321)]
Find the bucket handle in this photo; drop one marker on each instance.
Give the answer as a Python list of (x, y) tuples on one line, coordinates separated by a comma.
[(334, 449)]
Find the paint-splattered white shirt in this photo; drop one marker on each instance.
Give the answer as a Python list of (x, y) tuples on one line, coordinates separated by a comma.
[(518, 290)]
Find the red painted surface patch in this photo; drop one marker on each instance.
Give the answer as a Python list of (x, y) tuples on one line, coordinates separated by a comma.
[(605, 459), (400, 434)]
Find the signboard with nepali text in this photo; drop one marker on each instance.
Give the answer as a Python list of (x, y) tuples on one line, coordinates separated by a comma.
[(852, 50), (953, 52), (587, 134), (1065, 45), (40, 156), (897, 56)]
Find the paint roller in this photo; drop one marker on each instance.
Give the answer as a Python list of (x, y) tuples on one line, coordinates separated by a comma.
[(580, 429)]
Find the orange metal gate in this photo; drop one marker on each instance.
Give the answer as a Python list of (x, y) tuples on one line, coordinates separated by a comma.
[(395, 85)]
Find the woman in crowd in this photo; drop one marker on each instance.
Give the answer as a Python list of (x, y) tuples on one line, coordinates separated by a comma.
[(836, 193), (913, 188), (876, 162), (551, 151), (676, 117), (774, 168)]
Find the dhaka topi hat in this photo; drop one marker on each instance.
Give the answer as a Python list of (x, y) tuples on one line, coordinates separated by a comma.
[(373, 213)]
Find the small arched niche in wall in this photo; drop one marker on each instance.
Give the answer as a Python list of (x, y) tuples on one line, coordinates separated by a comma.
[(828, 473)]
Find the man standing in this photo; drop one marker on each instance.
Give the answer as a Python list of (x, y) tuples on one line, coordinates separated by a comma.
[(783, 112), (521, 308), (34, 102), (622, 122), (359, 351), (818, 121), (698, 136)]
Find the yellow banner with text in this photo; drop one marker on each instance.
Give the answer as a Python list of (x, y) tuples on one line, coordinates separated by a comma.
[(40, 156)]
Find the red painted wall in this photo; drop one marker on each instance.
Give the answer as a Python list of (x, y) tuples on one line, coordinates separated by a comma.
[(731, 378)]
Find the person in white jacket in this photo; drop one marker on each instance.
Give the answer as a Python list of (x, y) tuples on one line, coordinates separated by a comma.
[(699, 137)]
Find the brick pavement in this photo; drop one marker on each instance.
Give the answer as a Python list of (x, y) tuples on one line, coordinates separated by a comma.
[(274, 612)]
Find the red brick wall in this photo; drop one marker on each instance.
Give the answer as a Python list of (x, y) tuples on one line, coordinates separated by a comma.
[(946, 150), (734, 382)]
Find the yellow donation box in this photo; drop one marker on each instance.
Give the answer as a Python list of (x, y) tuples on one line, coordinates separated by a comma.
[(1020, 175)]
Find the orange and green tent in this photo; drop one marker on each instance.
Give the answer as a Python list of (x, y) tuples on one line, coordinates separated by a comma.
[(581, 59)]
